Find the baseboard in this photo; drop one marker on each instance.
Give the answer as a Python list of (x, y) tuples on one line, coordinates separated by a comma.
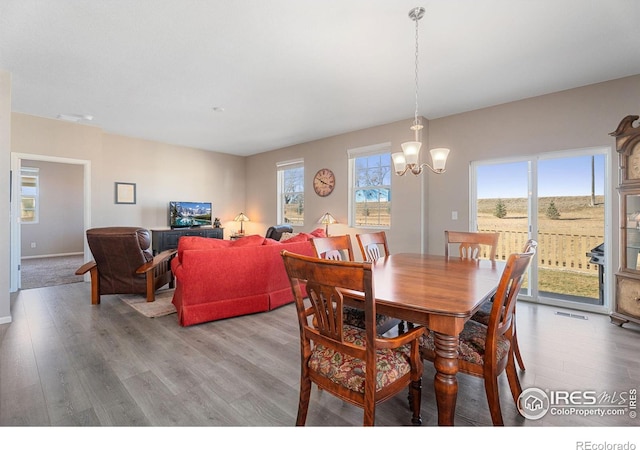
[(6, 319), (53, 256)]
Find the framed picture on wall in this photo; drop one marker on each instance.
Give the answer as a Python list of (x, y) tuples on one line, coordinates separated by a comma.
[(125, 193)]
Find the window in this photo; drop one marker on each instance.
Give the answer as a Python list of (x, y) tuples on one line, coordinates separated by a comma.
[(29, 186), (291, 192), (370, 199)]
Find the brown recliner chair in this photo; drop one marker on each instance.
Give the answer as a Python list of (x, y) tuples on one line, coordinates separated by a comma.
[(123, 263)]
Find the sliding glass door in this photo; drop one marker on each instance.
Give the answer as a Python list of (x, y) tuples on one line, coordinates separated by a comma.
[(502, 205), (560, 200)]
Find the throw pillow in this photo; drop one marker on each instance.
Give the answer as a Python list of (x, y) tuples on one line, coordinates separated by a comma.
[(299, 237), (286, 235), (318, 232)]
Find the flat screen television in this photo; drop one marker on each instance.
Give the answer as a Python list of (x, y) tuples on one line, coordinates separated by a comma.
[(189, 214)]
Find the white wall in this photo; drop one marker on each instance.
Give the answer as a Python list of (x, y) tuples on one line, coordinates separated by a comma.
[(5, 169)]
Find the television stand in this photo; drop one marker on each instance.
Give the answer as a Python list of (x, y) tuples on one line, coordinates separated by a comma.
[(167, 238)]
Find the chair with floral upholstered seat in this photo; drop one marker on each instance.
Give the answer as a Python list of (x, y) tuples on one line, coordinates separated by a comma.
[(485, 350), (339, 248), (483, 314), (354, 364), (374, 246)]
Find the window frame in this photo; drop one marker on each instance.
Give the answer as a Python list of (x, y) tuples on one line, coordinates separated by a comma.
[(30, 172), (281, 168), (365, 152)]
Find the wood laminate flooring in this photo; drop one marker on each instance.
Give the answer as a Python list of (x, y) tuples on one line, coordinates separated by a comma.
[(64, 362)]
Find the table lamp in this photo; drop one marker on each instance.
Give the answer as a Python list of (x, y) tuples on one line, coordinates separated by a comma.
[(241, 218), (326, 219)]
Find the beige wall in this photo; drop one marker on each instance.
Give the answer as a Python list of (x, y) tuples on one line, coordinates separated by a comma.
[(161, 172), (406, 215), (60, 226), (5, 169), (573, 119)]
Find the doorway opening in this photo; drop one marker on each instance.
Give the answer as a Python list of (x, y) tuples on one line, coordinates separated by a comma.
[(17, 160)]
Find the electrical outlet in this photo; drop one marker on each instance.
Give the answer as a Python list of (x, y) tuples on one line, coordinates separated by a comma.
[(33, 245), (454, 215)]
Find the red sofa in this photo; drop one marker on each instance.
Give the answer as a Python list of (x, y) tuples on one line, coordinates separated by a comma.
[(217, 279)]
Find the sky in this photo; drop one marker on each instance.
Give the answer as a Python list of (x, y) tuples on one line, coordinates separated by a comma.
[(556, 178)]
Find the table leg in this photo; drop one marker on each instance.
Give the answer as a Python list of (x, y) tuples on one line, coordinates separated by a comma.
[(446, 382)]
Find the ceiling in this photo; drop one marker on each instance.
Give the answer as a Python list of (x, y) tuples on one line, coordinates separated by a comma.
[(292, 71)]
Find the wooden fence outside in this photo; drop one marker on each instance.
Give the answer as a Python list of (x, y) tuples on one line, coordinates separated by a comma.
[(555, 251)]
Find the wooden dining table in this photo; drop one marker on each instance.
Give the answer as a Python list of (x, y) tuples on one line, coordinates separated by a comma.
[(441, 294)]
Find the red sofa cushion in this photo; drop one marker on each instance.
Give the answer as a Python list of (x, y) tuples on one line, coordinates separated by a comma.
[(199, 243), (248, 241)]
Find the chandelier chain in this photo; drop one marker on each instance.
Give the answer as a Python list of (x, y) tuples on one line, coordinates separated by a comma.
[(415, 118), (408, 161)]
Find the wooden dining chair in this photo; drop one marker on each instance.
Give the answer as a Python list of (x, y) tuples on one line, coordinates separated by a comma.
[(339, 248), (485, 350), (471, 244), (484, 313), (373, 246), (354, 364)]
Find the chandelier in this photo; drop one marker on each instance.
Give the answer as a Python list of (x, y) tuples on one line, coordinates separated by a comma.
[(408, 160)]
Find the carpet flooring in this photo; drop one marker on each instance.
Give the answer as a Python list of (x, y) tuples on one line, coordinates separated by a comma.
[(50, 271)]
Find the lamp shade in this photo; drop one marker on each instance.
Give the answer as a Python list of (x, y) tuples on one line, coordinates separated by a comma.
[(327, 218), (411, 151), (241, 218), (439, 157), (399, 161)]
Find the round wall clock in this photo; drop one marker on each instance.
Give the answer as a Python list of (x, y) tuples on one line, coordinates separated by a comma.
[(324, 182)]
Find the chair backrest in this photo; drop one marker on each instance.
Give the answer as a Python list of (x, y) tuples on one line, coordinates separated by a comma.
[(373, 246), (337, 248), (320, 310), (504, 301), (118, 253), (470, 243), (275, 232)]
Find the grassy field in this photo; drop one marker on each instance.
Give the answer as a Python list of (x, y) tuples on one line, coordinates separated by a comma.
[(576, 215), (563, 242)]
